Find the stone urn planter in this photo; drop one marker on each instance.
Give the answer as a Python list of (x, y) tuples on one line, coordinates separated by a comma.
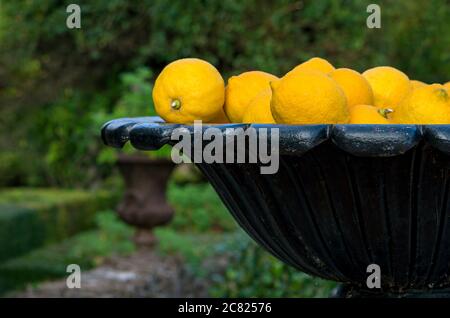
[(344, 197), (144, 203)]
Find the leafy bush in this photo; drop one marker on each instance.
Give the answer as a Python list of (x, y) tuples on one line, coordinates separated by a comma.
[(135, 101), (198, 208), (252, 272), (66, 133), (13, 169), (234, 35), (67, 138)]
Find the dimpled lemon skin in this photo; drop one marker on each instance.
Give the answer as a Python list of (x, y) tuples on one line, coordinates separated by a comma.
[(417, 84), (242, 89), (316, 64), (220, 118), (356, 88), (447, 86), (366, 114), (308, 97), (425, 105), (187, 90), (389, 85), (258, 111)]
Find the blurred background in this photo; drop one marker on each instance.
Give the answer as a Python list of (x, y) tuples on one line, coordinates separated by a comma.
[(60, 187)]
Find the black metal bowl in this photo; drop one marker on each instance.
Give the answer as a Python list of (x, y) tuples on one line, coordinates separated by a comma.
[(345, 196)]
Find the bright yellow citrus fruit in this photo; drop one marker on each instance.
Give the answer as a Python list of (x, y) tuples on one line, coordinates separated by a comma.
[(187, 90), (317, 64), (242, 89), (389, 85), (425, 105), (447, 85), (308, 97), (416, 84), (258, 110), (356, 88), (366, 114), (220, 118)]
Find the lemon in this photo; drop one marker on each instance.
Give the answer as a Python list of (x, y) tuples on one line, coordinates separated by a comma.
[(258, 110), (188, 89), (220, 118), (242, 89), (366, 114), (315, 63), (425, 105), (308, 97), (356, 88), (447, 85), (416, 84), (389, 85)]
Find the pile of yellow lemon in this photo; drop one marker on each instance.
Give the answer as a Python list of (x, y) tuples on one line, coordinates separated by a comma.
[(314, 92)]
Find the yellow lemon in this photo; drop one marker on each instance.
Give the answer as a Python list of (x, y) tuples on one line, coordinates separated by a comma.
[(242, 89), (317, 64), (416, 84), (258, 111), (389, 85), (356, 88), (447, 85), (220, 118), (425, 105), (366, 114), (308, 97), (188, 89)]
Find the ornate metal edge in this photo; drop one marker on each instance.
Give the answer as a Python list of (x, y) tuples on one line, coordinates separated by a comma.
[(151, 133)]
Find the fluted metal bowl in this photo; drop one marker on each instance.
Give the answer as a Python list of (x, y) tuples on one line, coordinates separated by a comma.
[(345, 196)]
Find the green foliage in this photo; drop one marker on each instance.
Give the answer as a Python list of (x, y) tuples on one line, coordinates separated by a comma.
[(87, 249), (252, 272), (13, 171), (66, 133), (194, 247), (135, 101), (187, 173), (66, 136), (234, 35), (32, 217), (137, 97), (39, 198), (20, 231), (249, 271), (198, 208), (112, 237)]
